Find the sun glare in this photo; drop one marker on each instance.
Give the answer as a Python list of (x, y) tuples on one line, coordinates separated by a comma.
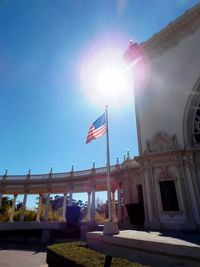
[(103, 77), (111, 81)]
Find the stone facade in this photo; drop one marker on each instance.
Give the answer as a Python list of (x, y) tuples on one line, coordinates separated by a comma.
[(167, 103)]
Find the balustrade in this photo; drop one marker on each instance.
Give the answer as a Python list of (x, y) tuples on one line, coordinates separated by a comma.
[(101, 170), (83, 173), (31, 183), (60, 175), (16, 177), (40, 176)]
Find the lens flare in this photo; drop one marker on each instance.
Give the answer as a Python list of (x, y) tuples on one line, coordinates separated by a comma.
[(102, 74), (111, 81)]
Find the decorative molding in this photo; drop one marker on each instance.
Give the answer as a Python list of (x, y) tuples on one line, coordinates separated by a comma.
[(172, 214), (161, 142), (166, 175), (174, 33)]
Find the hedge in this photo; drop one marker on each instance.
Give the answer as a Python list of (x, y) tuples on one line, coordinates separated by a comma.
[(76, 254)]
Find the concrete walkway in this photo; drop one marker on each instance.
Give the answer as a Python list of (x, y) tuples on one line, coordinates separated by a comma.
[(151, 248), (22, 255)]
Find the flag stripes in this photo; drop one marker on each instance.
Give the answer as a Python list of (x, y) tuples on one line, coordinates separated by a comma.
[(93, 134), (97, 129)]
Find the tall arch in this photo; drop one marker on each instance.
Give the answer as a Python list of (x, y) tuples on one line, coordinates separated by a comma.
[(191, 120)]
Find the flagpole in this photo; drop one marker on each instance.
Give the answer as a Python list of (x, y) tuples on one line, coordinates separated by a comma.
[(110, 228), (108, 168)]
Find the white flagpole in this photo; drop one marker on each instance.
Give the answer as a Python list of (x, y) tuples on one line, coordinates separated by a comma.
[(108, 168), (110, 228)]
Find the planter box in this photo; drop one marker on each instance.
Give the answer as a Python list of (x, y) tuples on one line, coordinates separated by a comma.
[(76, 254)]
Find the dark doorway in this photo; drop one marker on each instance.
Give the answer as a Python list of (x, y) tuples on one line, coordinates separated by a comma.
[(140, 194), (169, 196)]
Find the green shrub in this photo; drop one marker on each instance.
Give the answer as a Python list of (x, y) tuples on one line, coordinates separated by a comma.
[(30, 215), (4, 216), (55, 215), (76, 254)]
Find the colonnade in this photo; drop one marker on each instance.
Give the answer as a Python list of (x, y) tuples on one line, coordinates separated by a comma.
[(117, 216)]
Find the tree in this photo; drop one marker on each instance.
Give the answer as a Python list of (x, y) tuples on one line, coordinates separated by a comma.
[(6, 204)]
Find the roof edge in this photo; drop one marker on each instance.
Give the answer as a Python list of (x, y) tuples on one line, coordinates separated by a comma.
[(174, 32)]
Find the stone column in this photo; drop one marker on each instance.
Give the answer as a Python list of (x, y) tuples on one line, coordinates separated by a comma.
[(114, 216), (146, 214), (64, 206), (154, 196), (89, 207), (23, 208), (119, 204), (12, 211), (148, 194), (70, 199), (39, 208), (153, 220), (47, 208), (93, 205), (126, 194), (1, 196)]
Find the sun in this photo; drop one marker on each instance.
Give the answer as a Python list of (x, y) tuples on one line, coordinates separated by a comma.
[(111, 81), (103, 77)]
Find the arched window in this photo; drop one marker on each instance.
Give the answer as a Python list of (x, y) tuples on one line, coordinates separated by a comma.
[(196, 126), (191, 121)]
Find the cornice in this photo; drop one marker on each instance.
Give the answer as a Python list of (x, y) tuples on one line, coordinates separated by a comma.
[(167, 154), (174, 33)]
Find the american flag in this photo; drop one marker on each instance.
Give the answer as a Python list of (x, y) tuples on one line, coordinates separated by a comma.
[(97, 129)]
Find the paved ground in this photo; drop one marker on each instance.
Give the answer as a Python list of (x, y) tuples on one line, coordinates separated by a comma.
[(34, 254), (22, 255), (160, 249)]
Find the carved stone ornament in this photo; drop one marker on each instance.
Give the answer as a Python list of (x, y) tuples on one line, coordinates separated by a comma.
[(161, 142), (165, 175)]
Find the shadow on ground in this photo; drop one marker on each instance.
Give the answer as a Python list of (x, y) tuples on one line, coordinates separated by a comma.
[(36, 247), (189, 236)]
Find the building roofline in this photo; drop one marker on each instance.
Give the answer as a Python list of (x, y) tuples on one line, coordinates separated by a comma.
[(174, 32)]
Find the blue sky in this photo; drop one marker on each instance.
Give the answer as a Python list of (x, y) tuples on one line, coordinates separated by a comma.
[(44, 112)]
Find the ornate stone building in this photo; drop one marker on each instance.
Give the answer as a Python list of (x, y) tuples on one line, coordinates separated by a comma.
[(165, 177), (167, 104)]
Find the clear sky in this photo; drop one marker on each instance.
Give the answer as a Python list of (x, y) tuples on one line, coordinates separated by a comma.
[(45, 109)]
